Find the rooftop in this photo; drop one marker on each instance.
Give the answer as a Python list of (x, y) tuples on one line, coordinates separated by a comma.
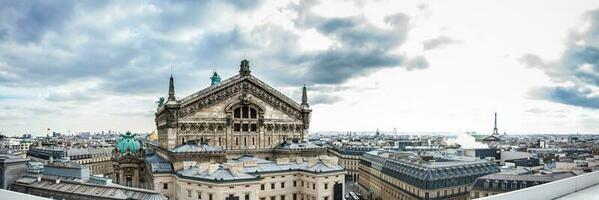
[(248, 167), (5, 158), (585, 186), (158, 165), (430, 167), (302, 145), (192, 146), (65, 165), (87, 189), (17, 195), (88, 151)]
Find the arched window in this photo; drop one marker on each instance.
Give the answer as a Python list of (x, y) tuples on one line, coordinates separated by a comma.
[(245, 119), (245, 112)]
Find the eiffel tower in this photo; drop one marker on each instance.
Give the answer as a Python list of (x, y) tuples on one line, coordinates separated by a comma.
[(495, 131)]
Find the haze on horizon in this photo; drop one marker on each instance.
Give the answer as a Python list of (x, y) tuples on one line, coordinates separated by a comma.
[(416, 66)]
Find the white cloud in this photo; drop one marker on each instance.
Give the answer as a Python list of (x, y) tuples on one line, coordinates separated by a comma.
[(100, 65)]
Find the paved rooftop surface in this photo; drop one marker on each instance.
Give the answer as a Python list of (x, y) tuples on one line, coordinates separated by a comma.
[(585, 194)]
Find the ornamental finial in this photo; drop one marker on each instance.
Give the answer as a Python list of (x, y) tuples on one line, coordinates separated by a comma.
[(244, 67), (171, 89), (305, 97)]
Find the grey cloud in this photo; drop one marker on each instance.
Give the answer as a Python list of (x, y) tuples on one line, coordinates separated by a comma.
[(80, 50), (336, 66), (581, 97), (417, 63), (536, 110), (71, 96), (146, 113), (28, 21), (32, 110), (363, 46), (532, 60), (44, 110), (324, 99), (578, 68), (87, 50), (437, 42)]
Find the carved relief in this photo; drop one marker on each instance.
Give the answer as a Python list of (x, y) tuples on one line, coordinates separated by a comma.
[(199, 128), (233, 90), (171, 119)]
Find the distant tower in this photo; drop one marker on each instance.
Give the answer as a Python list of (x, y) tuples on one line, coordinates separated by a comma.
[(495, 131), (377, 132)]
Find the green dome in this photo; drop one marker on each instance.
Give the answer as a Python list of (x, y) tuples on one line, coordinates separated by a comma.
[(127, 143)]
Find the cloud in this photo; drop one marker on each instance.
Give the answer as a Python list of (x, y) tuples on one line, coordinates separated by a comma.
[(532, 60), (437, 42), (358, 48), (47, 43), (130, 51), (417, 63), (137, 113), (29, 21), (324, 99), (581, 97), (71, 96), (576, 73)]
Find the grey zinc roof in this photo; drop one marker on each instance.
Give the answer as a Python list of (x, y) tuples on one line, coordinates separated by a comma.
[(86, 151), (158, 165), (219, 175), (194, 147), (304, 166), (304, 145), (253, 172), (529, 179), (91, 190), (251, 157), (439, 168), (266, 166)]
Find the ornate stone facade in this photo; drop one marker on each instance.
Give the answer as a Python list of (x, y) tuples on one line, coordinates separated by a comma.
[(241, 112), (238, 134)]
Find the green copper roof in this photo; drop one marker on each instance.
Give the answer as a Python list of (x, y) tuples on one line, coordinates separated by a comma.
[(128, 143), (215, 79)]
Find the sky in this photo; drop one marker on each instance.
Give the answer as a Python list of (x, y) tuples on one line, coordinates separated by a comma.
[(412, 66)]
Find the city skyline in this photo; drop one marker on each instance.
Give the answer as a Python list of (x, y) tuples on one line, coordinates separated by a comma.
[(443, 67)]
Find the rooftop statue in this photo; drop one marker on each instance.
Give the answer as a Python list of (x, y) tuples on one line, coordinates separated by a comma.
[(160, 102), (215, 79)]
